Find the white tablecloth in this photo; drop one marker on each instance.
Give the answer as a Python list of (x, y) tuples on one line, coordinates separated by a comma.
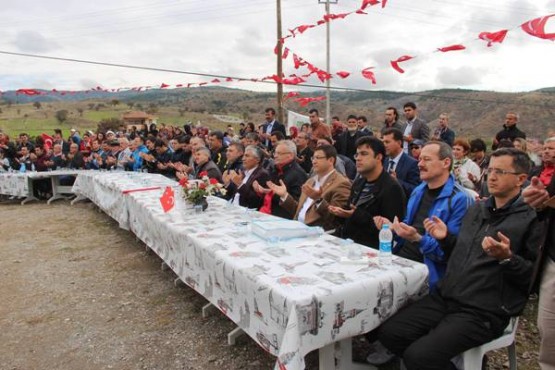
[(292, 298), (17, 183)]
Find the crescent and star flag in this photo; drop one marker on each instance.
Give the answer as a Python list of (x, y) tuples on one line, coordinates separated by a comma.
[(492, 37), (536, 28), (167, 200), (48, 141)]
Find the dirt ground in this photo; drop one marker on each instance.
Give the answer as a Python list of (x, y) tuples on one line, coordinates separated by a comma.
[(77, 292)]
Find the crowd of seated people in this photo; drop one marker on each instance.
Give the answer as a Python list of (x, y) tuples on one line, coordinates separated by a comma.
[(451, 204)]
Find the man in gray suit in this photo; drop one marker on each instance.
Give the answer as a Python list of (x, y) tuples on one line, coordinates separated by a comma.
[(415, 127)]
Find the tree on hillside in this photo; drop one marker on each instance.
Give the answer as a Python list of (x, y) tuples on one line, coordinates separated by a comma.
[(37, 105), (62, 115), (130, 104), (112, 124), (91, 106), (181, 111), (152, 108), (98, 106), (114, 102), (139, 106), (80, 111)]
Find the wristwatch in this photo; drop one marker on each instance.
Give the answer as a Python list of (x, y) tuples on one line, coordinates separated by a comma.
[(505, 261)]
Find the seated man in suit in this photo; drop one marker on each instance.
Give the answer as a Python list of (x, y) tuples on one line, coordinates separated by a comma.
[(286, 169), (239, 183), (399, 164), (327, 187), (487, 278), (373, 193)]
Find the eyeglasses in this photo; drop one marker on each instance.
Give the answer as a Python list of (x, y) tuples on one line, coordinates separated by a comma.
[(315, 157), (500, 172), (281, 153)]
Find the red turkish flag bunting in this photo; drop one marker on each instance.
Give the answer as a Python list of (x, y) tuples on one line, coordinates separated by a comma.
[(368, 74), (229, 79), (285, 53), (163, 86), (536, 28), (29, 92), (395, 63), (215, 81), (451, 48), (303, 102), (366, 3), (48, 141), (343, 74), (492, 37), (291, 94), (167, 200)]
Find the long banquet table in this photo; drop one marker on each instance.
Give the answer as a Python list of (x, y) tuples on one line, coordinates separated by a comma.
[(19, 184), (291, 297)]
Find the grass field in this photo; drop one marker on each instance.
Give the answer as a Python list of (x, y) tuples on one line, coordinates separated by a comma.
[(26, 118)]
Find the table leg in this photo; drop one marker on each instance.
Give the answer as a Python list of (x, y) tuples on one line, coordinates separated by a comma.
[(233, 335), (78, 199), (339, 356), (30, 193)]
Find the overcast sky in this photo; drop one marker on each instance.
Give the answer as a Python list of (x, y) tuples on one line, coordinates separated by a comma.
[(236, 38)]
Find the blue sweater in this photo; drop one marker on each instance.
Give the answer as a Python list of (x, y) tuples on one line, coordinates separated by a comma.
[(450, 206)]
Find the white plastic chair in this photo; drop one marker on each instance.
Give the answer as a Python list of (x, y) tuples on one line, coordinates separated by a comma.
[(472, 359)]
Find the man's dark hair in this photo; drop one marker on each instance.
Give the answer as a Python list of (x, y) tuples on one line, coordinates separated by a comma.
[(410, 105), (335, 117), (521, 161), (271, 110), (184, 139), (240, 147), (505, 143), (23, 134), (278, 134), (478, 145), (158, 143), (58, 131), (352, 116), (374, 143), (328, 139), (329, 151), (395, 113), (218, 134), (362, 118), (253, 136), (397, 134), (141, 138), (313, 110)]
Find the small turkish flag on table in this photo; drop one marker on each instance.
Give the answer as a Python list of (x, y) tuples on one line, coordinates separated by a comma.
[(167, 199)]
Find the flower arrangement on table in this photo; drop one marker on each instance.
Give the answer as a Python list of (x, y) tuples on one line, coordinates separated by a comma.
[(196, 191)]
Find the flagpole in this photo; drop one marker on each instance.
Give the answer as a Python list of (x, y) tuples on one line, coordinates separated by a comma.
[(328, 58), (280, 116)]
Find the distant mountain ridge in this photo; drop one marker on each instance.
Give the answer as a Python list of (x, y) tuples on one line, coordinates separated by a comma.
[(472, 113)]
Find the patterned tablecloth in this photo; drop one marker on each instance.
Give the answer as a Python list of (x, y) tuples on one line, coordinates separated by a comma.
[(17, 183), (291, 297)]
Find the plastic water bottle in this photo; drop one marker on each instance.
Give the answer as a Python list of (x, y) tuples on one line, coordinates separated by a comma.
[(22, 168), (386, 241)]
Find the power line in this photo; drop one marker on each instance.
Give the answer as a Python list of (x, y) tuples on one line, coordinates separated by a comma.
[(129, 66)]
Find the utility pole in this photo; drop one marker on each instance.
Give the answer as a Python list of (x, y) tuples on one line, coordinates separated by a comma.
[(328, 98), (280, 117)]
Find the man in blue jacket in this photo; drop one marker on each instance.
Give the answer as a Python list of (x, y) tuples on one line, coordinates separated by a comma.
[(439, 195)]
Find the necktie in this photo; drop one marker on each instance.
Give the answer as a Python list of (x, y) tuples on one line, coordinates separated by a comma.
[(391, 165)]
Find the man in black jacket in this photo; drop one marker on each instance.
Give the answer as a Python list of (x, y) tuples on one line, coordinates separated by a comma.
[(373, 193), (510, 131), (487, 277)]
